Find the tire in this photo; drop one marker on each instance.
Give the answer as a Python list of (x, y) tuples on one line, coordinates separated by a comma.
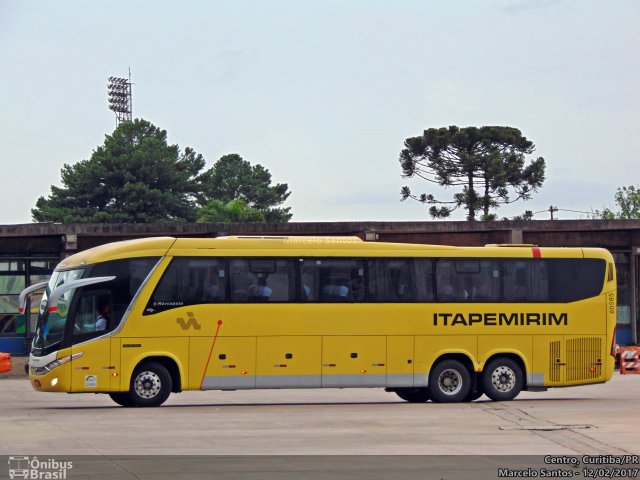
[(449, 382), (502, 379), (476, 391), (122, 398), (150, 385), (473, 395), (413, 395)]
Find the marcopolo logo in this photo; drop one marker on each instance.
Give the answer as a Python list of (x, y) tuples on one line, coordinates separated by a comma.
[(191, 322), (36, 469)]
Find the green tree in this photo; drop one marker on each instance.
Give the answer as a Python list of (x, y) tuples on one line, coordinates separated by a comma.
[(523, 217), (135, 176), (232, 178), (628, 201), (234, 211), (488, 163)]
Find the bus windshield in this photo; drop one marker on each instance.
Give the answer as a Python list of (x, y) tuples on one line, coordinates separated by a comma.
[(82, 307), (50, 327)]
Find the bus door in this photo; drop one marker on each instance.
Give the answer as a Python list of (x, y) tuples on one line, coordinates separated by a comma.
[(91, 370), (354, 361), (400, 361)]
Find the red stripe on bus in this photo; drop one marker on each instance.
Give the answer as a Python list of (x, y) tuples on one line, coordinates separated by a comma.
[(536, 252)]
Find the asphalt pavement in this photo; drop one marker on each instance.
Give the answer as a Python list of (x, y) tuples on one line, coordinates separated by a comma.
[(593, 420)]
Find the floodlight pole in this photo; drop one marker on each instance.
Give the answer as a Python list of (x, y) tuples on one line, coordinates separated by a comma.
[(121, 98)]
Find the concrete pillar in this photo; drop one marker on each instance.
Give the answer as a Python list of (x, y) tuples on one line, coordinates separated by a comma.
[(516, 236)]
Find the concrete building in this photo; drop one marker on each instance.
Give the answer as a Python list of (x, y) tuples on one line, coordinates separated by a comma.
[(29, 252)]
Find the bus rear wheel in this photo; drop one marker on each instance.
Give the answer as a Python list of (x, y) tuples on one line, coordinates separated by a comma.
[(449, 382), (502, 379), (150, 385), (413, 395)]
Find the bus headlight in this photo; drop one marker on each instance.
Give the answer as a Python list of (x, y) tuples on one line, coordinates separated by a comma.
[(55, 364)]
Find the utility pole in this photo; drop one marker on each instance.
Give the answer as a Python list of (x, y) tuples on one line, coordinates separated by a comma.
[(551, 210)]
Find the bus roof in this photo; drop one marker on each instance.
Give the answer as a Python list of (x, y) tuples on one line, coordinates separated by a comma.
[(143, 247), (308, 246)]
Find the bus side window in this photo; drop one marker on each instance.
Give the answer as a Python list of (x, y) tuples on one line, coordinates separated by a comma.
[(572, 279), (517, 281), (262, 280), (332, 279), (468, 280), (93, 315), (449, 284), (309, 280), (129, 275), (484, 285), (189, 281), (400, 279)]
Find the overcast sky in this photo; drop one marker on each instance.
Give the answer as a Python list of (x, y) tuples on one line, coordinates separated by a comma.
[(323, 93)]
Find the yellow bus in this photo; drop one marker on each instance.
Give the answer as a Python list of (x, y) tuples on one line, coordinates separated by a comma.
[(140, 319)]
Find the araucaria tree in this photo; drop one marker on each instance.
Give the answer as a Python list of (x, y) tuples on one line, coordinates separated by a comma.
[(487, 164), (134, 177)]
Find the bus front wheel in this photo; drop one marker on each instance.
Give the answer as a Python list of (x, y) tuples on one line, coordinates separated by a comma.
[(150, 385), (449, 382), (502, 380)]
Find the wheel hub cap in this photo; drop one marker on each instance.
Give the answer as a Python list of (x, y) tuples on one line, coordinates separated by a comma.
[(450, 382), (503, 379), (147, 384)]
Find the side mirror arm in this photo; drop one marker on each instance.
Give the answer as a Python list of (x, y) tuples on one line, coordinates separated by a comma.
[(22, 300), (52, 301)]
